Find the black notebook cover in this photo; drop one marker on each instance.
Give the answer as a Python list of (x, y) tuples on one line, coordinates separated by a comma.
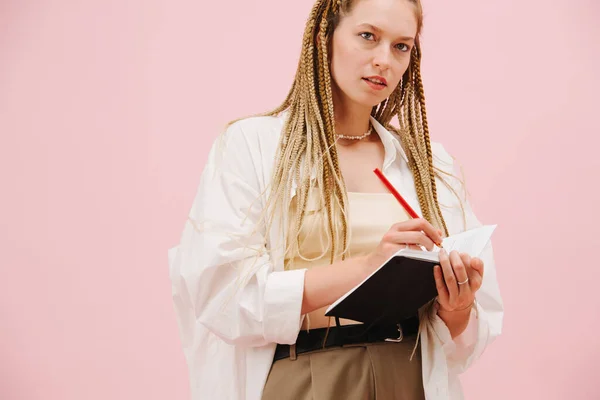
[(394, 292)]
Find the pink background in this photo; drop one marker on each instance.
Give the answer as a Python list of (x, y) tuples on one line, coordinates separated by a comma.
[(107, 109)]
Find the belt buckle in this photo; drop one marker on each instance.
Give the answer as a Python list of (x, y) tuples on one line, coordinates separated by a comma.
[(400, 336)]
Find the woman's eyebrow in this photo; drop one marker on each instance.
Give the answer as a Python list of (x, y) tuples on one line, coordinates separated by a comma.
[(378, 30)]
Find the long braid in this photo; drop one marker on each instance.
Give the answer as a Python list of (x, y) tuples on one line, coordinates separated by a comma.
[(339, 189), (326, 134), (410, 138), (421, 94)]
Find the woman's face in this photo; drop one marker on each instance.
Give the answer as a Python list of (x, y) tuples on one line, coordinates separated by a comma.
[(372, 43)]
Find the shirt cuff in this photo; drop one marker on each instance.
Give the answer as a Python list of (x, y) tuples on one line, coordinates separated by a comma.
[(284, 292)]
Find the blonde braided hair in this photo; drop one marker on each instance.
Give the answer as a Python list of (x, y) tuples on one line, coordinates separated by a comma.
[(308, 135)]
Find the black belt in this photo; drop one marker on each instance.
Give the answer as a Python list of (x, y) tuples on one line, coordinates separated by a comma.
[(348, 334)]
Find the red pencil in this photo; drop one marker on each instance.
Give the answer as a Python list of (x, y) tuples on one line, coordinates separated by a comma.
[(397, 195)]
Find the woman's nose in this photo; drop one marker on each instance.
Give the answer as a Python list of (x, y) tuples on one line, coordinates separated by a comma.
[(382, 57)]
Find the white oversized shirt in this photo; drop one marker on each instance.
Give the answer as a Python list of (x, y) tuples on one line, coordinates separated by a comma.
[(233, 299)]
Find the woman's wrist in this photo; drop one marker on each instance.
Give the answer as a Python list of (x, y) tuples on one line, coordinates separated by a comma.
[(455, 320), (459, 311)]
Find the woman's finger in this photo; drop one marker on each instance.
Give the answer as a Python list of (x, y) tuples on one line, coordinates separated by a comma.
[(471, 273), (477, 265), (477, 268), (466, 259), (460, 272), (411, 237), (449, 277), (443, 295), (419, 224)]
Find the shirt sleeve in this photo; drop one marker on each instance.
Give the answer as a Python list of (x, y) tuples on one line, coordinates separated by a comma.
[(221, 272), (485, 322)]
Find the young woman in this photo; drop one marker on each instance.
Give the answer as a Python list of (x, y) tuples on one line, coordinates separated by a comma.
[(289, 216)]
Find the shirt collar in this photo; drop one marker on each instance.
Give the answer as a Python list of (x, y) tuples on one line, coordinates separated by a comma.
[(391, 143)]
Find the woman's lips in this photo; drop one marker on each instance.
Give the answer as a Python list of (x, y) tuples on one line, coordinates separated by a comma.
[(376, 86)]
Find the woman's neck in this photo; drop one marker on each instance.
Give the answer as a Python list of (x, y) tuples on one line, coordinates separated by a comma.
[(352, 121)]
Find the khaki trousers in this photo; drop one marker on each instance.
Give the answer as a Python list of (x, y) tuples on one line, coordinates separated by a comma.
[(370, 371)]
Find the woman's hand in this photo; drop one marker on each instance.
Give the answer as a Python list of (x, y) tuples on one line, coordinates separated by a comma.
[(413, 233), (457, 278)]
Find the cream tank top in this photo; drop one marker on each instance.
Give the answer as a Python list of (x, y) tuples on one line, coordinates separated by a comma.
[(370, 216)]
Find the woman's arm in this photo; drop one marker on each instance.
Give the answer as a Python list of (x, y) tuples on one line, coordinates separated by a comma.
[(324, 284)]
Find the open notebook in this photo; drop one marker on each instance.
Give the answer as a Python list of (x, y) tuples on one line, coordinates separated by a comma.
[(404, 283)]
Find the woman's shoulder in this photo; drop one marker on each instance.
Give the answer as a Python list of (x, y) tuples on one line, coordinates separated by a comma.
[(255, 128), (249, 140)]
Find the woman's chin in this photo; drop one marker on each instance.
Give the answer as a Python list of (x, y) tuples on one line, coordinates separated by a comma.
[(371, 100), (373, 103), (366, 100)]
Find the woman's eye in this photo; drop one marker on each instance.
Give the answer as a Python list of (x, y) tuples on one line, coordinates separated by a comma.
[(365, 34), (403, 47)]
